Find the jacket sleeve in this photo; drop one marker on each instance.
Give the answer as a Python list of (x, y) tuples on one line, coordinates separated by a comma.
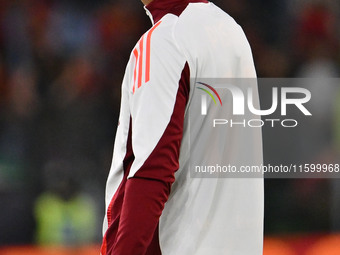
[(157, 100)]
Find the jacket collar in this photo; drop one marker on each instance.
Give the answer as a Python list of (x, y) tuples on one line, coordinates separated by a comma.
[(158, 8)]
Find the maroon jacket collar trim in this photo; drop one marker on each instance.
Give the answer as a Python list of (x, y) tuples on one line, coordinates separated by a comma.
[(159, 8)]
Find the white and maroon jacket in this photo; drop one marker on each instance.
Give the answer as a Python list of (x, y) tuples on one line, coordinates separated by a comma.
[(153, 206)]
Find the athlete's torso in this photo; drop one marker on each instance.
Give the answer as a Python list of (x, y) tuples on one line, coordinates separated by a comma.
[(203, 215)]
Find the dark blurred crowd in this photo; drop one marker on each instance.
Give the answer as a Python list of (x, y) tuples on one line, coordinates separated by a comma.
[(61, 67)]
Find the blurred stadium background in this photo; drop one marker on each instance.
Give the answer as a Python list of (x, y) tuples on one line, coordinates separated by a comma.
[(61, 67)]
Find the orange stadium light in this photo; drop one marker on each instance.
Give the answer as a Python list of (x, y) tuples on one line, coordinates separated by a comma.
[(273, 246), (50, 250), (329, 245)]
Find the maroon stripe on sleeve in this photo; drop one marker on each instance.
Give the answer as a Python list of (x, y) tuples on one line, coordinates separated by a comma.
[(163, 161), (114, 209), (148, 190)]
